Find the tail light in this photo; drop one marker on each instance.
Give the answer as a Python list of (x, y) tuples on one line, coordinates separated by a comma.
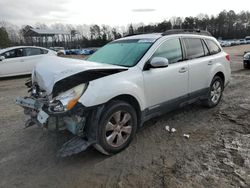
[(228, 57)]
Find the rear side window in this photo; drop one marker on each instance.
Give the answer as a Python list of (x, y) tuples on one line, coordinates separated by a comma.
[(194, 48), (170, 49), (44, 51), (213, 47), (205, 48), (33, 51)]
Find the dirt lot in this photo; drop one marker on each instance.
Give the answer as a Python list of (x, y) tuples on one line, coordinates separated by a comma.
[(217, 154)]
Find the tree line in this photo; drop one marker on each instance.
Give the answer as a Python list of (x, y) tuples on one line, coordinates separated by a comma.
[(225, 25)]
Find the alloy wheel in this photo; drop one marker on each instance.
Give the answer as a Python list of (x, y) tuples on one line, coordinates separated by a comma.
[(119, 128), (216, 92)]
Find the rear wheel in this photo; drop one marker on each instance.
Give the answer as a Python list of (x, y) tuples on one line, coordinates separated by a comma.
[(215, 92), (117, 127)]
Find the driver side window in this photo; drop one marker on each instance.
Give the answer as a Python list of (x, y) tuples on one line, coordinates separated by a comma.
[(13, 53), (170, 49)]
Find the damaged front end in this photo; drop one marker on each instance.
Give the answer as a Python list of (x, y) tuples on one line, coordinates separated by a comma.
[(58, 113), (55, 100)]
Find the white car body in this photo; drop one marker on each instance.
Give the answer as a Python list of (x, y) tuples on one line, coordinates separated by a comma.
[(150, 90), (135, 81), (24, 63)]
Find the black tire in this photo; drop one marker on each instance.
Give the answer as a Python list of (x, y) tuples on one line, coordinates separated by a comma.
[(246, 66), (109, 116), (210, 102)]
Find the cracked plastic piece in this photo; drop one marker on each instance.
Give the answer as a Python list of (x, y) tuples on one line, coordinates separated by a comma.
[(73, 146), (173, 130), (29, 123), (186, 136), (167, 128)]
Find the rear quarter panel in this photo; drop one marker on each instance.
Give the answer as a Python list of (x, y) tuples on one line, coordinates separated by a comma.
[(221, 65)]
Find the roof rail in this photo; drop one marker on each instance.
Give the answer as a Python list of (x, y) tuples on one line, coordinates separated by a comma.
[(186, 31), (129, 35)]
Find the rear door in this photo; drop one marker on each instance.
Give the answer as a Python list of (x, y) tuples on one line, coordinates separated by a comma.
[(198, 58), (32, 56)]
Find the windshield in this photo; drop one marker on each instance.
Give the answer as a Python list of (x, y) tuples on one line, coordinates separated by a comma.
[(124, 52)]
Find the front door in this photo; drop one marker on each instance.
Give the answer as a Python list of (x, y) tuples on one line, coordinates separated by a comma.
[(168, 85), (13, 64)]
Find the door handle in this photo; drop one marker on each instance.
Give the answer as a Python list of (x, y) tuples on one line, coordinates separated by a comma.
[(183, 69), (210, 62), (22, 60)]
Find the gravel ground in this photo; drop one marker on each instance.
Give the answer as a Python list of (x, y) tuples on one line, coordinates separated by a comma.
[(217, 154)]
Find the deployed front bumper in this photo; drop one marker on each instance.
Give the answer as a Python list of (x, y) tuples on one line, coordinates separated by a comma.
[(34, 108), (39, 114)]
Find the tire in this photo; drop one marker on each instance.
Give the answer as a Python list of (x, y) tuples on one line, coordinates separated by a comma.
[(246, 66), (117, 127), (215, 92)]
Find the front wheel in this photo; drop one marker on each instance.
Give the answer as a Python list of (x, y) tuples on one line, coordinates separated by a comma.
[(117, 127), (246, 66), (215, 92)]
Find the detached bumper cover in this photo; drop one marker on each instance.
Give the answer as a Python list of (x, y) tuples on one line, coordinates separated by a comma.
[(28, 103), (74, 146), (34, 108)]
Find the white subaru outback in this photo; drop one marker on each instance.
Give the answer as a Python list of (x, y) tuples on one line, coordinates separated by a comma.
[(106, 98)]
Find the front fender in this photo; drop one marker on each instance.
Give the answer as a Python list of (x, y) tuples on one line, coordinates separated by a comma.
[(104, 89)]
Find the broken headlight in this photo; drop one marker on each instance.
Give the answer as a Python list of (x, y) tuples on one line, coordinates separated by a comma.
[(67, 100)]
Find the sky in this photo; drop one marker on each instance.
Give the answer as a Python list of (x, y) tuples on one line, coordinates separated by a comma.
[(110, 12)]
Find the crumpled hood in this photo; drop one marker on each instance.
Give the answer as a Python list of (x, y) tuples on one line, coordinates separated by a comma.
[(50, 70)]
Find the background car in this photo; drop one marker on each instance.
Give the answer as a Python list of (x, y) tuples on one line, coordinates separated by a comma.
[(224, 43), (87, 51), (20, 60), (243, 41), (59, 50), (80, 51), (246, 60), (247, 39)]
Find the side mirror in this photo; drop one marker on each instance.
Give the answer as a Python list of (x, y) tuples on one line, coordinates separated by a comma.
[(158, 62), (2, 58)]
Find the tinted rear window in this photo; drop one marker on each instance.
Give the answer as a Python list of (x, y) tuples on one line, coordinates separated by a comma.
[(205, 48), (194, 48), (32, 51), (213, 47), (44, 51)]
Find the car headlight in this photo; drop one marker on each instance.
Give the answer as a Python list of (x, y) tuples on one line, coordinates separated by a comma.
[(69, 98)]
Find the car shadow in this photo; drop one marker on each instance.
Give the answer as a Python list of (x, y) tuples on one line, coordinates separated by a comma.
[(15, 77)]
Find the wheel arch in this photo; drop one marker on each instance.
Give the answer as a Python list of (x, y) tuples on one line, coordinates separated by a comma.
[(218, 70), (221, 75), (133, 102)]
